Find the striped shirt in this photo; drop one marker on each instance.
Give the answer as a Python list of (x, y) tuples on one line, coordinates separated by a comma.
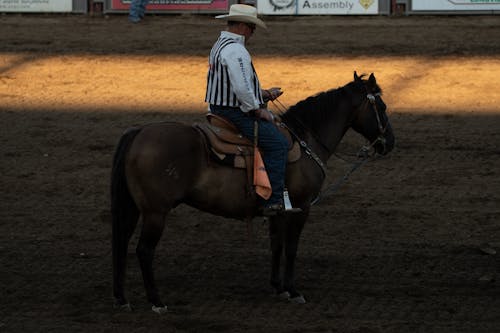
[(232, 80)]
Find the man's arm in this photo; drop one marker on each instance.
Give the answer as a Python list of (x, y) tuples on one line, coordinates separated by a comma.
[(239, 66)]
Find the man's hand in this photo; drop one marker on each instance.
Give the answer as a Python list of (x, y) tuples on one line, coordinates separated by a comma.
[(264, 114), (271, 94)]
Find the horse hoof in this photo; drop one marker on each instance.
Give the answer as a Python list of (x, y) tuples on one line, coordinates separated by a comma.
[(159, 309), (123, 307), (298, 299), (284, 295)]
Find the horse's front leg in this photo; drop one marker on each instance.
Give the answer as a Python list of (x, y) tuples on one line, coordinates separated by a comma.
[(153, 225), (294, 227), (277, 238)]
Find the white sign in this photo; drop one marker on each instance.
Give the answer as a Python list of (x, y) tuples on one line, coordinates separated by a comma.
[(317, 7), (455, 5), (36, 5)]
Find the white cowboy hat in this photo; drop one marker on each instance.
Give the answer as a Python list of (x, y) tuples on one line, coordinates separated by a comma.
[(243, 13)]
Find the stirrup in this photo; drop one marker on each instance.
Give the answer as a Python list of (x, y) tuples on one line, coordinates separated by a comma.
[(288, 205)]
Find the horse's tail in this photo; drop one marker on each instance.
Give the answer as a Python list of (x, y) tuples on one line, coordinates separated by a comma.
[(124, 214)]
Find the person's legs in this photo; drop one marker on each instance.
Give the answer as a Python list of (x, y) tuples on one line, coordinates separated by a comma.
[(134, 11), (274, 147), (142, 8), (272, 143)]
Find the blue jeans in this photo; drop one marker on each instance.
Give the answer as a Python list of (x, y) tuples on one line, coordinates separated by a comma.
[(271, 142), (137, 9)]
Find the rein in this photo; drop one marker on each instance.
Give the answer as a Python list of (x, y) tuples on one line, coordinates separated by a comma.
[(332, 188), (307, 149), (301, 142)]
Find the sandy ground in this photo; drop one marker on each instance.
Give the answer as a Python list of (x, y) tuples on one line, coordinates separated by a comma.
[(398, 248)]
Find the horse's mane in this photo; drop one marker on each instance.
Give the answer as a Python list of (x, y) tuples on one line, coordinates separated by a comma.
[(313, 110), (316, 110)]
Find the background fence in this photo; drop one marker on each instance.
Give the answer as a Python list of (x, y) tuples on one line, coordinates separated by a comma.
[(266, 7)]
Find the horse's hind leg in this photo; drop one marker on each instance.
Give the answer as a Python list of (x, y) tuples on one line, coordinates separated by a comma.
[(122, 232), (153, 225)]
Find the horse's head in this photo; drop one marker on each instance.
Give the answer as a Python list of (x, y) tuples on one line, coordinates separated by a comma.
[(370, 118)]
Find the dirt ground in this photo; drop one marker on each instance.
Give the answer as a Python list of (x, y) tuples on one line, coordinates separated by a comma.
[(398, 248)]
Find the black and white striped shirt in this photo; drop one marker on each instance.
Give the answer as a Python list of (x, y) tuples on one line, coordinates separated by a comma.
[(232, 80)]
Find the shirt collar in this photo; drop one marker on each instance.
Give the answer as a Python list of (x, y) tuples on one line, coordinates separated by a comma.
[(238, 38)]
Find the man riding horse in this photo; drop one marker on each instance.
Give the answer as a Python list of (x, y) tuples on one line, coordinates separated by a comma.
[(234, 92), (158, 166)]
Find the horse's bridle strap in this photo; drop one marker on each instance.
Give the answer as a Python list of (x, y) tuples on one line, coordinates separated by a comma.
[(306, 148), (372, 99)]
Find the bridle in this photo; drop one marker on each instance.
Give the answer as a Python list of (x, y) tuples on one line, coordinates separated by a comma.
[(373, 102), (363, 154), (372, 99)]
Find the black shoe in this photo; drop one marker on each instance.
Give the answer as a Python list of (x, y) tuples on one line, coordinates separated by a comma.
[(273, 210), (292, 210), (278, 209)]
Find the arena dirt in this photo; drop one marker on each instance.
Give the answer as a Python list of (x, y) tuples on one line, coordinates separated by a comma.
[(406, 245)]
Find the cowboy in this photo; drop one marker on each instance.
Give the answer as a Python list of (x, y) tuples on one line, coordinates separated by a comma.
[(234, 92)]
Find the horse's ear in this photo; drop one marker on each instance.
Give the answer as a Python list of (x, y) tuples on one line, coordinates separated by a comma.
[(372, 80), (356, 77)]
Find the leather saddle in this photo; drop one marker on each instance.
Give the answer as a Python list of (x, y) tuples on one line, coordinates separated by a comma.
[(230, 147)]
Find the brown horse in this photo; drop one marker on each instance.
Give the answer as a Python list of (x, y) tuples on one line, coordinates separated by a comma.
[(159, 166)]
